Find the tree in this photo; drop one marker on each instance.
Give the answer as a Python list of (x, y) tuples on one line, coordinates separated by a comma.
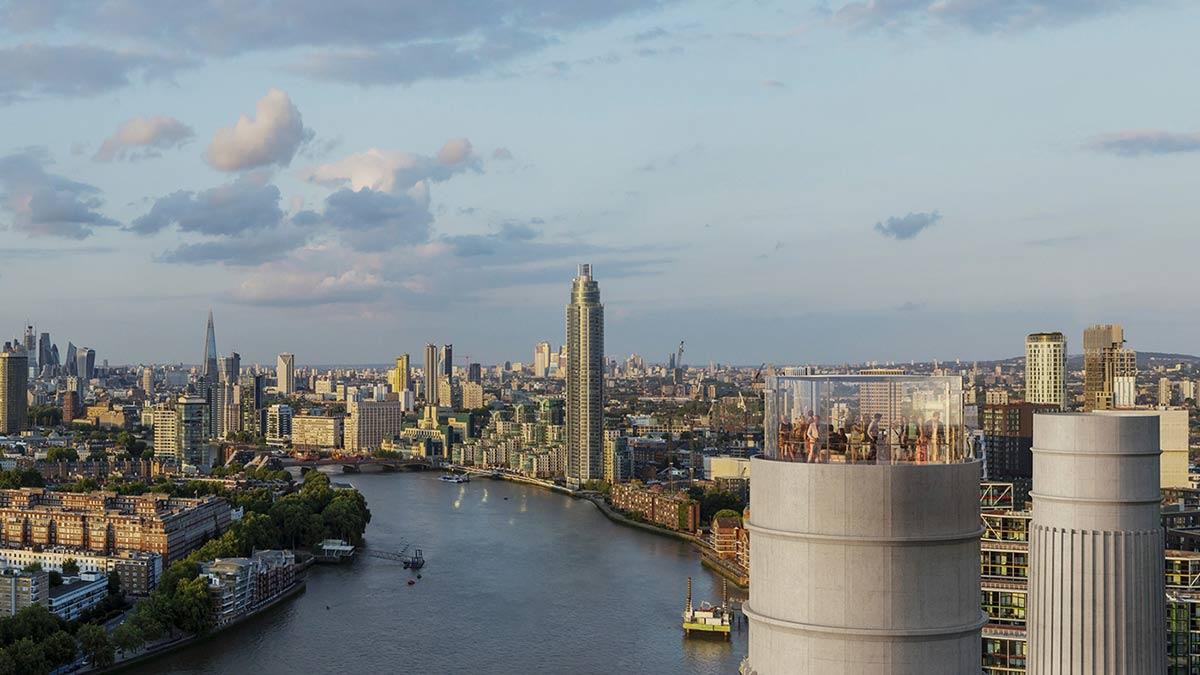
[(114, 583), (59, 649), (193, 606), (62, 455), (32, 567), (56, 578), (7, 666), (96, 646), (128, 637), (27, 656), (70, 567)]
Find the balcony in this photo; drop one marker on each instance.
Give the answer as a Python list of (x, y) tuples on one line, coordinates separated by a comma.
[(865, 419)]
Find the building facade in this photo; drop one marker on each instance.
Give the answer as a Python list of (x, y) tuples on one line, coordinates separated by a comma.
[(14, 390), (1046, 369), (1109, 369), (285, 374), (585, 380), (368, 423)]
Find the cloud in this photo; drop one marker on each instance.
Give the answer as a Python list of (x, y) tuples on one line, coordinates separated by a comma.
[(360, 41), (981, 16), (249, 249), (272, 137), (908, 226), (144, 137), (239, 206), (369, 220), (1145, 142), (774, 84), (45, 204), (392, 170), (509, 233), (30, 71), (651, 34), (1063, 240), (672, 160), (502, 154), (305, 288)]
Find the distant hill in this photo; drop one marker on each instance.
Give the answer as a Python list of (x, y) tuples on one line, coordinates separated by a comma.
[(1145, 360)]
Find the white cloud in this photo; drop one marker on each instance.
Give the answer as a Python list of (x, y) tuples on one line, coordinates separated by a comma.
[(272, 137), (281, 287), (394, 170), (143, 137)]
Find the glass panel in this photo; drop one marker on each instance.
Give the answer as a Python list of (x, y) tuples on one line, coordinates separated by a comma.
[(878, 419)]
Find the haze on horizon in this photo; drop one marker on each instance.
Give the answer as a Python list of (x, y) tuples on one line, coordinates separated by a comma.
[(769, 181)]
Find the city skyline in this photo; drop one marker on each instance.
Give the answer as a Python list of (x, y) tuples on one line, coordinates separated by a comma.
[(738, 157)]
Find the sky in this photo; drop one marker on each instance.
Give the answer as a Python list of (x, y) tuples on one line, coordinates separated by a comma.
[(786, 182)]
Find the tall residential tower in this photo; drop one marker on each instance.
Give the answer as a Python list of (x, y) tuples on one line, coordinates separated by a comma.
[(14, 389), (1046, 368), (585, 380), (1109, 369), (430, 372)]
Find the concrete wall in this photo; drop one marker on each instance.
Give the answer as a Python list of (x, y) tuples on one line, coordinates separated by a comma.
[(1172, 439), (864, 568), (1096, 546)]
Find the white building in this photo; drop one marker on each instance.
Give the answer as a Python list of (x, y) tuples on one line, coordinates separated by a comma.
[(77, 595), (285, 374), (368, 423), (1046, 368)]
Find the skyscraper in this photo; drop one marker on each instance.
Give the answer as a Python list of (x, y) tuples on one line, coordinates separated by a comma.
[(85, 363), (72, 359), (31, 353), (148, 382), (193, 431), (585, 380), (229, 368), (285, 374), (541, 359), (1096, 597), (14, 389), (208, 367), (430, 384), (447, 360), (1109, 369), (45, 358), (400, 380), (1046, 368)]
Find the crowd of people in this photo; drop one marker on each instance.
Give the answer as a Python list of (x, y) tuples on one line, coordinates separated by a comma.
[(869, 439)]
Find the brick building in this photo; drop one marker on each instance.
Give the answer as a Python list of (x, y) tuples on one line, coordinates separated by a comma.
[(673, 510)]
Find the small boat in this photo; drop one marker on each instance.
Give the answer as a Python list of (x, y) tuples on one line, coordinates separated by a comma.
[(455, 478), (707, 620), (415, 561), (411, 582)]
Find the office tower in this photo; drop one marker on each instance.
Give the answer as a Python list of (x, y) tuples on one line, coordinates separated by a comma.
[(1096, 587), (54, 356), (30, 345), (541, 359), (148, 382), (165, 421), (369, 423), (72, 360), (431, 375), (446, 360), (250, 402), (14, 389), (279, 422), (44, 356), (1046, 368), (229, 368), (1109, 369), (474, 373), (194, 430), (208, 367), (400, 380), (585, 380), (863, 564), (85, 363), (285, 374)]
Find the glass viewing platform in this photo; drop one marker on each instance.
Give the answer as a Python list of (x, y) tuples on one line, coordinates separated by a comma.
[(865, 419)]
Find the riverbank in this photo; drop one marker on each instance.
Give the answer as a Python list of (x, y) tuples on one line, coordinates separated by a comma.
[(707, 554), (165, 648)]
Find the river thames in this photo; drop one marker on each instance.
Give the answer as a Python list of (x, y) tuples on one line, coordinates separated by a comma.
[(517, 580)]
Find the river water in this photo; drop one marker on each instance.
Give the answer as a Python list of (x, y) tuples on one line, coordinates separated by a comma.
[(517, 580)]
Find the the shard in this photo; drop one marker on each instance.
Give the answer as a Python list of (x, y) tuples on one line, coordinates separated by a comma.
[(209, 364)]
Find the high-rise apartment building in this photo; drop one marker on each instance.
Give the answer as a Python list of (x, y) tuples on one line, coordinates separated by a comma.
[(430, 371), (194, 429), (165, 421), (472, 396), (229, 368), (1165, 391), (585, 380), (148, 382), (400, 376), (368, 423), (250, 399), (1109, 369), (279, 423), (541, 359), (1046, 368), (285, 374), (14, 389), (1096, 585)]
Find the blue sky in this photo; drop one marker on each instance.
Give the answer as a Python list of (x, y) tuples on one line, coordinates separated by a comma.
[(786, 182)]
